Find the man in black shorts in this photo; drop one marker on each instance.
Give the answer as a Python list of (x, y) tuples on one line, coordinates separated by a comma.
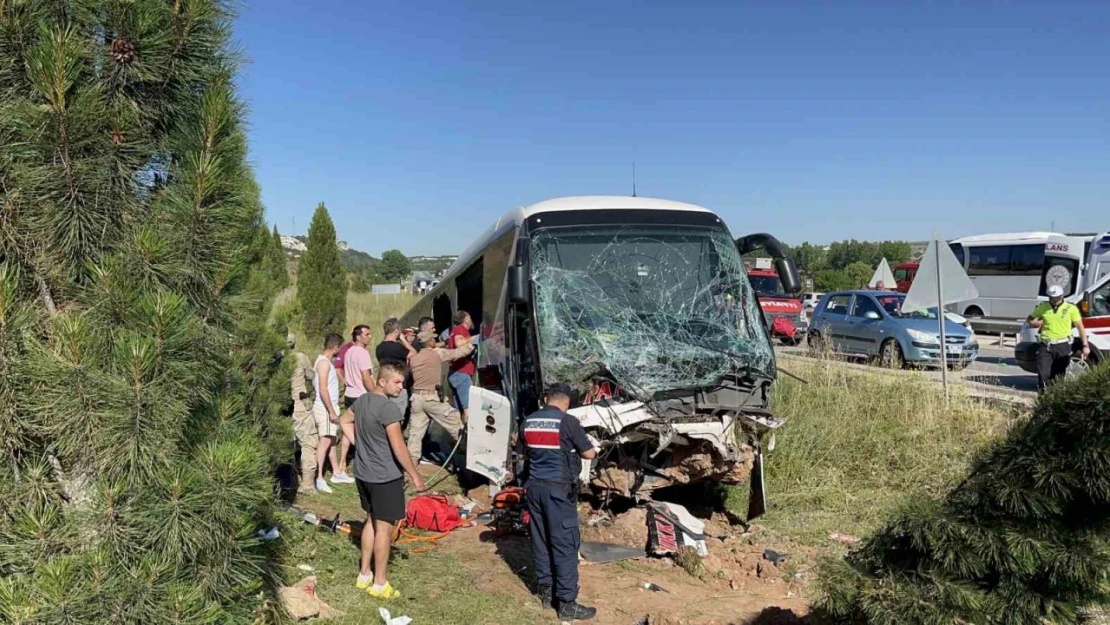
[(374, 422)]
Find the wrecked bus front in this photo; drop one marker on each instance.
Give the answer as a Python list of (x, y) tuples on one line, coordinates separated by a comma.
[(643, 307), (658, 329)]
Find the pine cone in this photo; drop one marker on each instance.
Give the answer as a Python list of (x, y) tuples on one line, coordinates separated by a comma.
[(122, 50)]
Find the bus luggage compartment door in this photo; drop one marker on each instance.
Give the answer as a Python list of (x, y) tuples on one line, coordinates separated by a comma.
[(488, 427)]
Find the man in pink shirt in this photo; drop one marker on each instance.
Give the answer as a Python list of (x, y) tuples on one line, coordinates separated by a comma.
[(358, 376)]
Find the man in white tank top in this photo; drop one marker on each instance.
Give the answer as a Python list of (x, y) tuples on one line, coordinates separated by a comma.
[(325, 411)]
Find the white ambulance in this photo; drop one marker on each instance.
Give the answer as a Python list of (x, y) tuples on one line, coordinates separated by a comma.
[(1093, 301)]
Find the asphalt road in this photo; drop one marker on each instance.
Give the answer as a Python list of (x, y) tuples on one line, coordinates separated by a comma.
[(995, 367)]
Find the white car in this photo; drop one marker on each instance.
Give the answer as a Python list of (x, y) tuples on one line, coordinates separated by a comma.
[(810, 300)]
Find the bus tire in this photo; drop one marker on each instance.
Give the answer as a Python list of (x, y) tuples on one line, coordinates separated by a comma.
[(973, 311)]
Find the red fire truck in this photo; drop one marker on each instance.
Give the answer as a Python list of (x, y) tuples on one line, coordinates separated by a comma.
[(786, 317), (903, 275)]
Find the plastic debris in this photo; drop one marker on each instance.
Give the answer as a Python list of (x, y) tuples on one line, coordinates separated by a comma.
[(652, 586), (774, 557), (391, 620), (306, 568), (302, 603), (606, 552), (272, 534), (656, 308)]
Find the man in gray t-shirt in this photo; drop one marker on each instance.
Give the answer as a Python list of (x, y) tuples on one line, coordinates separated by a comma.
[(374, 423), (374, 461)]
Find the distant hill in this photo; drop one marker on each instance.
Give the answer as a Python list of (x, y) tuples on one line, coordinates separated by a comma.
[(357, 261), (353, 260), (432, 265)]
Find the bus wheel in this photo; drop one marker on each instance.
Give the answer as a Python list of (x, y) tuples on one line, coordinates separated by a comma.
[(890, 355), (973, 312)]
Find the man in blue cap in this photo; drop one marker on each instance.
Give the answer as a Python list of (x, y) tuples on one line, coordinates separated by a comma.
[(556, 444)]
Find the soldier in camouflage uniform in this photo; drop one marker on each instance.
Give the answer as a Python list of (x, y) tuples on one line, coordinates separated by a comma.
[(304, 425)]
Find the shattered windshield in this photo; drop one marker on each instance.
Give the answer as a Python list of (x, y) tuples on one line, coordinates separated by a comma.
[(657, 308)]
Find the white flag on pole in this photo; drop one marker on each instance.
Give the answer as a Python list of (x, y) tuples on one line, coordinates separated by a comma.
[(882, 276), (955, 285)]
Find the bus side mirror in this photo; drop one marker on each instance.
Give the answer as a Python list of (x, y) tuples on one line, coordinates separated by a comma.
[(788, 275), (518, 285)]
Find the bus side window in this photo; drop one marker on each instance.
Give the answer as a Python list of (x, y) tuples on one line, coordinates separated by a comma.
[(958, 250), (469, 294)]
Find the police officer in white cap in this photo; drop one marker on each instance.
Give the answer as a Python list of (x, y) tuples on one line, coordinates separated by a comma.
[(1055, 319)]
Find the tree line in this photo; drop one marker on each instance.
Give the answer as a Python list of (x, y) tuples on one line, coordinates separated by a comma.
[(846, 264)]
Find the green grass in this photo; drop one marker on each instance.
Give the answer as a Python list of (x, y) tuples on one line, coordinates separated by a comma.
[(362, 308), (857, 444), (372, 310)]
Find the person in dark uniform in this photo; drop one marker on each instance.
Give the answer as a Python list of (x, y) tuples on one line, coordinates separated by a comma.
[(555, 444)]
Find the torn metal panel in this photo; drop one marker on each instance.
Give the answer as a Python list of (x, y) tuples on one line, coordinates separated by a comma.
[(657, 308), (611, 417), (721, 434)]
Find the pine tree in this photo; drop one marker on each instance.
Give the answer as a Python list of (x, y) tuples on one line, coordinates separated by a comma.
[(275, 261), (139, 388), (322, 282), (1023, 540)]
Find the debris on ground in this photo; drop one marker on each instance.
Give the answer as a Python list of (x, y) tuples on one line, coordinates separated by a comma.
[(608, 552), (652, 586), (306, 568), (272, 534), (671, 526), (599, 519), (844, 538), (390, 620), (302, 603), (774, 557)]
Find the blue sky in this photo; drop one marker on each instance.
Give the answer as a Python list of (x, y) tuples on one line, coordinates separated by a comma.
[(418, 123)]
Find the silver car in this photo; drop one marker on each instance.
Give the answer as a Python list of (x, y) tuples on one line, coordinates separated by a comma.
[(871, 324)]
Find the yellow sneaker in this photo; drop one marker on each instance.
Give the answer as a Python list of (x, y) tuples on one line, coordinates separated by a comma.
[(363, 585), (389, 592)]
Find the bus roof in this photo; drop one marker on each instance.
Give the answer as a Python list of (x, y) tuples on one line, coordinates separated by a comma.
[(1008, 237), (516, 217)]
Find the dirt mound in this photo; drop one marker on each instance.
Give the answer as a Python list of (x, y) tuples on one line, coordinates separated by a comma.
[(629, 528)]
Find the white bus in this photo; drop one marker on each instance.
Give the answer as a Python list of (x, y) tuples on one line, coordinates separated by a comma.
[(643, 307), (1012, 270)]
